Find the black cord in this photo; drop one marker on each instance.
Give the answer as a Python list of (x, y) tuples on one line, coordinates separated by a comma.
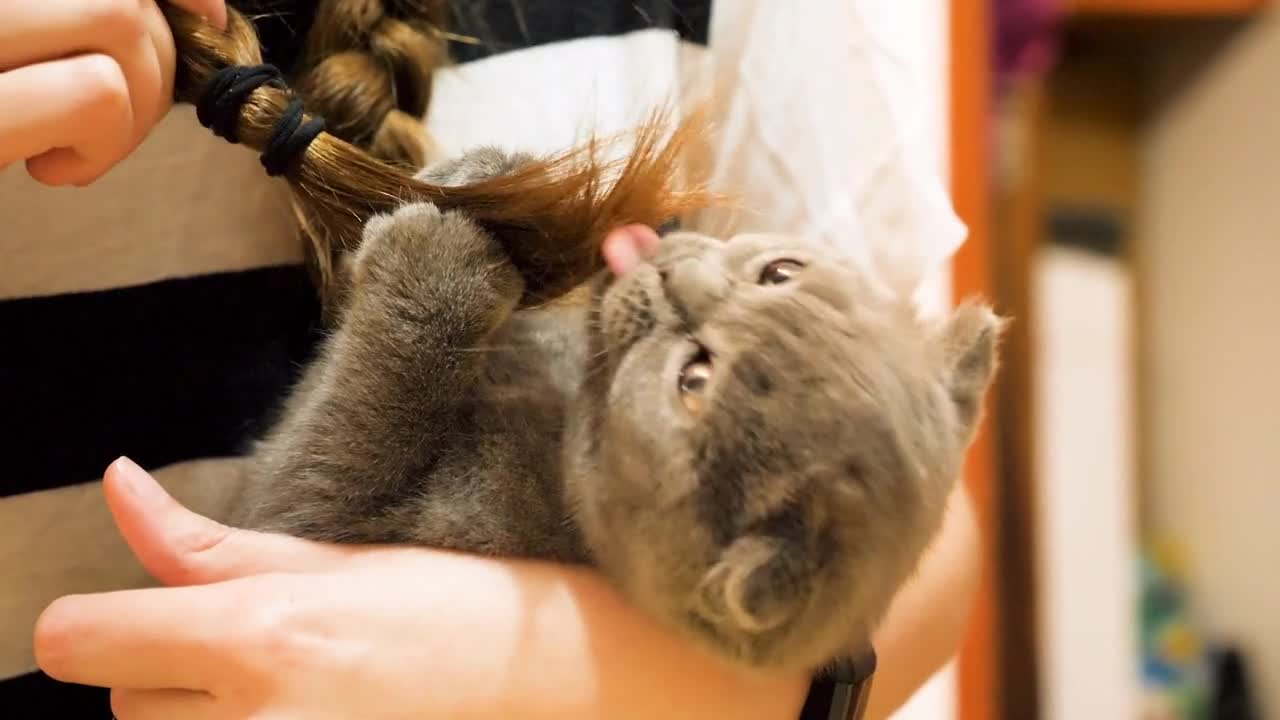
[(224, 97), (228, 89), (290, 138)]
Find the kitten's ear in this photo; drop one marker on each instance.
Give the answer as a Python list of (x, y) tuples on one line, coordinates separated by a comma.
[(970, 340), (753, 588)]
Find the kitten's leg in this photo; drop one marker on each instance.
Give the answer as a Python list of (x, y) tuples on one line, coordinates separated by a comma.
[(380, 405)]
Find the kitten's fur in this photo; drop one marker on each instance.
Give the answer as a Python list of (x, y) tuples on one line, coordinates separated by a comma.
[(775, 525)]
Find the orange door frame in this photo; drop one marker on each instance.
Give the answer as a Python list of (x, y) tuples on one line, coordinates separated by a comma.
[(970, 132)]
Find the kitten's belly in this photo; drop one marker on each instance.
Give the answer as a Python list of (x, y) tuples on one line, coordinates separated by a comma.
[(540, 350)]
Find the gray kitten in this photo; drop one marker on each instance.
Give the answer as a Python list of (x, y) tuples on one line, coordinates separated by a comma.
[(749, 443)]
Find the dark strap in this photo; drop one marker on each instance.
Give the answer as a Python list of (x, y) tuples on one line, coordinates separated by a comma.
[(841, 691)]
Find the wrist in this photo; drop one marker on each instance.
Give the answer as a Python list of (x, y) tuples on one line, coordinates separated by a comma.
[(582, 651)]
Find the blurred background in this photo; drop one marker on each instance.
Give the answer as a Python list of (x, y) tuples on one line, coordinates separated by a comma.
[(1118, 162)]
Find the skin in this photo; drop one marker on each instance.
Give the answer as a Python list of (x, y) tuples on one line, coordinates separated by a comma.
[(258, 625), (82, 82)]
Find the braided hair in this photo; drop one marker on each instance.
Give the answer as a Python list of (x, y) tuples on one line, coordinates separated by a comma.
[(367, 68), (550, 214)]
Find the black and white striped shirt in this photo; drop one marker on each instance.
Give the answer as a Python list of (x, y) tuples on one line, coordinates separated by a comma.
[(163, 312)]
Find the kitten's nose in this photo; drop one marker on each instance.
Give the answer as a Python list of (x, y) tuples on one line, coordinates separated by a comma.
[(694, 286)]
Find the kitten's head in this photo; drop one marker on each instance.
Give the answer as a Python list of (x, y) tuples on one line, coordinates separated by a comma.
[(763, 446)]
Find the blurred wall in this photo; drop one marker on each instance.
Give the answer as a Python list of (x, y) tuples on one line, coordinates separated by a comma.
[(1210, 271), (1084, 468), (1080, 185)]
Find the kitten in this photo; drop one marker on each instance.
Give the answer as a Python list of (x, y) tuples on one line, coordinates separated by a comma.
[(742, 437)]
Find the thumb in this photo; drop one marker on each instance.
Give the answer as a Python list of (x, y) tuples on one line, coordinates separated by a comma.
[(180, 547)]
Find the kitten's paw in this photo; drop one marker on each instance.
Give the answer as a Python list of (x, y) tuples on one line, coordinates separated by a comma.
[(391, 242), (421, 252)]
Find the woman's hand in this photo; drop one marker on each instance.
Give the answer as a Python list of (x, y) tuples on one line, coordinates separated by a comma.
[(82, 82), (270, 626)]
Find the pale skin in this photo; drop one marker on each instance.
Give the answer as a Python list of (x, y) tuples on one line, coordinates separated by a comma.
[(263, 626), (267, 626), (82, 82)]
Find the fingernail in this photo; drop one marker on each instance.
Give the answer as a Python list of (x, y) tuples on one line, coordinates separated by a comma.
[(129, 474)]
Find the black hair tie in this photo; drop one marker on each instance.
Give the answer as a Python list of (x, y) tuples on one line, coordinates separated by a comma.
[(228, 90), (290, 138), (219, 110)]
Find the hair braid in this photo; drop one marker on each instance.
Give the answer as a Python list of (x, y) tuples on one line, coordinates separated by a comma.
[(550, 214), (367, 68)]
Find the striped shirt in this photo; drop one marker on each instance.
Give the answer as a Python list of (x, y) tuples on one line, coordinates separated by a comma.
[(164, 311)]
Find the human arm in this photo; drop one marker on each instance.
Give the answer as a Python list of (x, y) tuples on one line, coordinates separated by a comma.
[(927, 619), (295, 629), (313, 630), (82, 82)]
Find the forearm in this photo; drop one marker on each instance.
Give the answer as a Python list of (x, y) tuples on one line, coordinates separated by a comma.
[(583, 652), (927, 620)]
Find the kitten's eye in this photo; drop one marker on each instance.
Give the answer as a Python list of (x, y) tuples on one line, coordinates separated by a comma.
[(694, 378), (780, 271)]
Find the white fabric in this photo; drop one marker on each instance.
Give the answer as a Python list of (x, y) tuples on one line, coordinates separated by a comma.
[(546, 99), (820, 134)]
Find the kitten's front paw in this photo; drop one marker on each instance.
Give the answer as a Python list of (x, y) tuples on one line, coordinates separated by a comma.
[(421, 252), (391, 242)]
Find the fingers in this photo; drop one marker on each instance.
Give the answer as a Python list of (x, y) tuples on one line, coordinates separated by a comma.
[(627, 246), (59, 38), (81, 102), (165, 705), (179, 547), (140, 639), (35, 32), (214, 11)]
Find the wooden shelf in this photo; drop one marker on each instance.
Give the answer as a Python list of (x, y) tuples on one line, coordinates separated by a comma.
[(1166, 8)]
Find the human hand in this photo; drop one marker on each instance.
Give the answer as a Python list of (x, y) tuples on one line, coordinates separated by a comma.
[(82, 82), (271, 626)]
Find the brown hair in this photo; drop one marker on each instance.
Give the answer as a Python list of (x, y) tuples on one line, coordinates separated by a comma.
[(551, 214), (367, 68)]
